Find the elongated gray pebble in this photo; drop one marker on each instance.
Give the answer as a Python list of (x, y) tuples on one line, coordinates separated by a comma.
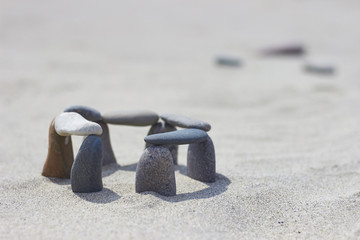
[(88, 113), (285, 50), (185, 122), (162, 127), (201, 161), (155, 172), (319, 68), (131, 118), (86, 170), (185, 136), (228, 61), (108, 153), (71, 123)]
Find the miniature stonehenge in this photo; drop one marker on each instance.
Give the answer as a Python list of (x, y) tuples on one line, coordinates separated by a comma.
[(155, 169)]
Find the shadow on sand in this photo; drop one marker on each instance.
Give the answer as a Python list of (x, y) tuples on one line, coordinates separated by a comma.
[(112, 168), (102, 197), (106, 195), (216, 188), (60, 181)]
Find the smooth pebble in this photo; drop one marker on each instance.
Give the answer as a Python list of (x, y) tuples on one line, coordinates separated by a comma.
[(185, 122), (155, 172), (88, 113), (86, 170), (201, 161), (131, 118), (60, 155), (185, 136), (285, 50), (71, 123), (228, 61)]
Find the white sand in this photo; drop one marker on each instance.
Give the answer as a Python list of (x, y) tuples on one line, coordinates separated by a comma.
[(287, 142)]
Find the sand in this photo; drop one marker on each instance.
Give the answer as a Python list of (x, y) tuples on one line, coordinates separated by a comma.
[(287, 141)]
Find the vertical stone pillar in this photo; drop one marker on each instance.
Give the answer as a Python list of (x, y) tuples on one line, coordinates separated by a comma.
[(201, 161), (60, 155)]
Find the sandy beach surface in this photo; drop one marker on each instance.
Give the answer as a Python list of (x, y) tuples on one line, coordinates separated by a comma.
[(286, 141)]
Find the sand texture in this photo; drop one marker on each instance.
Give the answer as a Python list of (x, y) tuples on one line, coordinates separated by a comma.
[(287, 141)]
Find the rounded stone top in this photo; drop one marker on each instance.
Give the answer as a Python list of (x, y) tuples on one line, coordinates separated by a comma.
[(71, 123), (131, 118), (185, 122), (185, 136), (88, 113)]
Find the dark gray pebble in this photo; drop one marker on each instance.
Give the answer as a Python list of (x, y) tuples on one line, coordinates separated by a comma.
[(108, 156), (86, 170), (201, 161), (131, 118), (185, 122), (155, 172), (185, 136), (286, 50), (88, 113), (162, 127)]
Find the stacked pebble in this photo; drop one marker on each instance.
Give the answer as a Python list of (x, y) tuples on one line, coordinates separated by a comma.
[(155, 170)]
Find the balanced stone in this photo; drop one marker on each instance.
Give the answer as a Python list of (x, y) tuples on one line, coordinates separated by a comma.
[(108, 154), (228, 61), (71, 123), (185, 136), (201, 161), (162, 127), (155, 172), (87, 112), (86, 170), (131, 118), (60, 156), (185, 122), (286, 50)]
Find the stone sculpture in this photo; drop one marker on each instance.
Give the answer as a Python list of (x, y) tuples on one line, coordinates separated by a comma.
[(155, 170), (93, 115)]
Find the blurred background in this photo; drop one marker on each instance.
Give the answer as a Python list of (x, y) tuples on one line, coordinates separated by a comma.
[(285, 126), (161, 55)]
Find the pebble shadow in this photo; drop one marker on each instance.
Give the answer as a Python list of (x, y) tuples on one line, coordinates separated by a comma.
[(112, 168), (102, 197), (216, 188), (60, 181), (106, 171)]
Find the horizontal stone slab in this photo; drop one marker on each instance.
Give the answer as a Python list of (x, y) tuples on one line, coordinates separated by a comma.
[(179, 137), (185, 122), (131, 118), (71, 123), (88, 113)]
